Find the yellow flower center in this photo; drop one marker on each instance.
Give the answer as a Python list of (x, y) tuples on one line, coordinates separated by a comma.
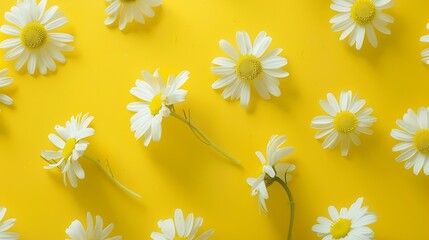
[(340, 228), (421, 141), (180, 238), (156, 104), (345, 122), (248, 67), (363, 11), (34, 35), (128, 1), (68, 148)]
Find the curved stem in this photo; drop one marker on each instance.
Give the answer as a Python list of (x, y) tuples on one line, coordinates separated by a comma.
[(110, 175), (204, 138), (291, 202)]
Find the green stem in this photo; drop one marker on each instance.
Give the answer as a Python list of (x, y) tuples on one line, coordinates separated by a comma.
[(291, 202), (110, 175), (205, 138)]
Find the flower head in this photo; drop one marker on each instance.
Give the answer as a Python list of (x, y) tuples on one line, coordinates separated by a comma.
[(181, 228), (157, 101), (359, 17), (346, 224), (77, 231), (425, 52), (249, 66), (4, 82), (271, 168), (347, 119), (128, 10), (71, 147), (414, 137), (6, 225), (33, 38)]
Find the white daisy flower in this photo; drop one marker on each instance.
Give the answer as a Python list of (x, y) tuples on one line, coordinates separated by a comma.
[(6, 225), (77, 231), (4, 82), (179, 228), (128, 10), (71, 147), (346, 224), (274, 154), (359, 17), (271, 168), (345, 122), (157, 99), (414, 137), (33, 38), (425, 52), (249, 66)]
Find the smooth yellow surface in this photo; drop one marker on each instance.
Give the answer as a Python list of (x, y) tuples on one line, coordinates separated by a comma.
[(181, 172)]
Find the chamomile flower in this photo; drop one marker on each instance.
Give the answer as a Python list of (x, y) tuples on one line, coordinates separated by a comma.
[(76, 230), (6, 225), (358, 18), (414, 137), (271, 168), (157, 99), (128, 10), (33, 37), (346, 224), (346, 120), (250, 66), (181, 228), (71, 144), (4, 82), (425, 52)]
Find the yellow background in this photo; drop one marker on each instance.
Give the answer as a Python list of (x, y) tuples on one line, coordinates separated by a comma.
[(179, 171)]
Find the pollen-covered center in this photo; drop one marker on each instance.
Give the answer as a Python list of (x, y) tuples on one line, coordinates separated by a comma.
[(340, 228), (34, 35), (128, 1), (248, 68), (156, 104), (345, 122), (181, 238), (421, 141), (363, 11), (68, 148)]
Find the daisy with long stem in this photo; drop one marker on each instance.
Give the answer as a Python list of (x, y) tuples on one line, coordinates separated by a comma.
[(273, 171), (71, 144), (157, 102)]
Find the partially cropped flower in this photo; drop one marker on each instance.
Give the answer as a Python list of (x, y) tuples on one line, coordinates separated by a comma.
[(271, 168), (33, 37), (358, 18), (346, 120), (156, 101), (250, 66), (76, 230), (425, 52), (181, 228), (414, 140), (346, 224), (6, 225), (129, 10), (4, 82), (71, 144)]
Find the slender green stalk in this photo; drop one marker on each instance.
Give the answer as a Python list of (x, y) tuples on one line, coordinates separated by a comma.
[(292, 205), (110, 175), (204, 138)]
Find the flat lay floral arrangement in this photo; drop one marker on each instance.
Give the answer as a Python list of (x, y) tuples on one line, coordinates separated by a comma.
[(151, 119)]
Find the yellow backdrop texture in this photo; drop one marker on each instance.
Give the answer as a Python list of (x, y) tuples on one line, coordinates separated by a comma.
[(179, 171)]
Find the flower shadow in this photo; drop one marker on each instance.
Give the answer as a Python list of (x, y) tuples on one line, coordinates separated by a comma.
[(135, 27)]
